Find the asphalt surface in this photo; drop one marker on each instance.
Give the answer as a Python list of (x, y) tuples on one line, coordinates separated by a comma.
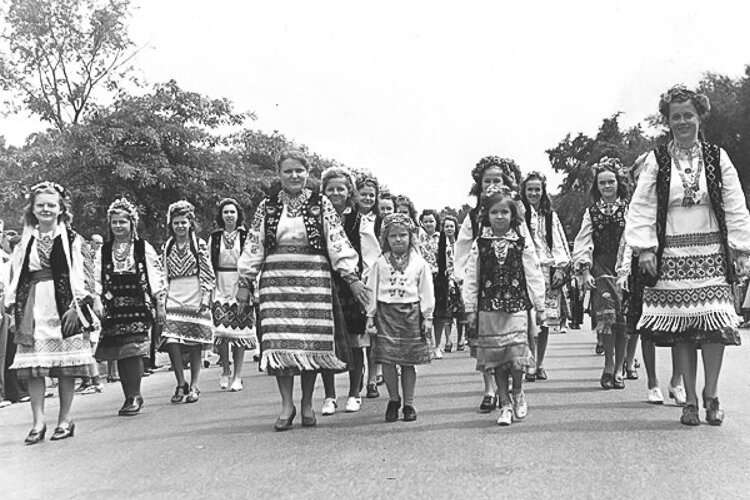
[(578, 441)]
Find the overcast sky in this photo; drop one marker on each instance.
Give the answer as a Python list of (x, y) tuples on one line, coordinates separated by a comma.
[(417, 92)]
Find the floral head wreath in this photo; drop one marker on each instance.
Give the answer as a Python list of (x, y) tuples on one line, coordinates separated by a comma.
[(396, 219), (535, 174), (680, 93), (47, 185), (508, 166), (178, 208), (123, 205), (611, 164), (494, 189)]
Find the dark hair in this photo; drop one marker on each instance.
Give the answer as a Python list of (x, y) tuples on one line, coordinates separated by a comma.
[(623, 190), (452, 219), (368, 181), (511, 173), (404, 200), (432, 212), (500, 197), (545, 206), (48, 188), (240, 212)]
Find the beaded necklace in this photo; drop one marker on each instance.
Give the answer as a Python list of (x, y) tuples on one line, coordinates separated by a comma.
[(44, 248), (399, 262), (229, 239), (294, 203), (690, 178)]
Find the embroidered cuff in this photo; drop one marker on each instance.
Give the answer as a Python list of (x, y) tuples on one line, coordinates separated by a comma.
[(349, 278)]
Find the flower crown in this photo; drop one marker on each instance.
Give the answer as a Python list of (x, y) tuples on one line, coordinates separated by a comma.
[(40, 186), (182, 207), (508, 166), (535, 174), (611, 164), (680, 93), (123, 205), (494, 189)]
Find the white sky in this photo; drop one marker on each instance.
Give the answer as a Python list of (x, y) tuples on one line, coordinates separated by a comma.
[(418, 91)]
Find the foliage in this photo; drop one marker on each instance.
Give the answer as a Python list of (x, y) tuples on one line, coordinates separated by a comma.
[(60, 52)]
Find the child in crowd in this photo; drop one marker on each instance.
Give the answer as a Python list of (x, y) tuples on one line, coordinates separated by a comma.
[(401, 305), (503, 281)]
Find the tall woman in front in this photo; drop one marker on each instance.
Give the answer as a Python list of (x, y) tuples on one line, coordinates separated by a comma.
[(48, 293), (296, 240), (686, 221)]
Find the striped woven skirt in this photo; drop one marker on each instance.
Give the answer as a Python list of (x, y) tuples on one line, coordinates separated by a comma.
[(296, 312)]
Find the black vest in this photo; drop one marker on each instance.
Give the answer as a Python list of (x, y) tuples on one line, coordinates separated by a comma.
[(215, 246), (60, 277), (711, 161), (137, 287), (502, 288), (607, 231), (312, 213)]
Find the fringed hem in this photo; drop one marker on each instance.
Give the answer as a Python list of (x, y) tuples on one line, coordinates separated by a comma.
[(702, 321), (302, 361), (240, 342)]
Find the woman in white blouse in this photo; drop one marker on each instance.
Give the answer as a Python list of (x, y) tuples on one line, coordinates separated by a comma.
[(690, 226)]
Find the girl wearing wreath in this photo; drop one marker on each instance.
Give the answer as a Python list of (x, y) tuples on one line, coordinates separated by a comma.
[(191, 280), (595, 252), (690, 227), (51, 306), (232, 329), (131, 283), (296, 241), (489, 171), (551, 245)]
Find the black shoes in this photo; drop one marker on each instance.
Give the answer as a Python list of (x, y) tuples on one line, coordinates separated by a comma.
[(410, 414), (284, 424), (372, 391), (391, 411), (488, 404), (131, 407), (35, 436)]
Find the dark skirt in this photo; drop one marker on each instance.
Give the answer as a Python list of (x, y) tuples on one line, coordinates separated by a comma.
[(399, 340)]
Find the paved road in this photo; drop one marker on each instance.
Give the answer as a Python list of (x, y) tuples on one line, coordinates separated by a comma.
[(577, 442)]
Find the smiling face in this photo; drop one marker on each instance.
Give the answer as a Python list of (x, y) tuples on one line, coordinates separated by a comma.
[(398, 239), (500, 216), (429, 224), (366, 199), (449, 228), (120, 225), (229, 216), (293, 175), (337, 190), (385, 206), (180, 226), (684, 122), (606, 182), (534, 192), (47, 209)]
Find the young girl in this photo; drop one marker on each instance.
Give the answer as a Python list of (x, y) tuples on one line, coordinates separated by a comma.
[(455, 304), (338, 186), (489, 171), (503, 282), (401, 306)]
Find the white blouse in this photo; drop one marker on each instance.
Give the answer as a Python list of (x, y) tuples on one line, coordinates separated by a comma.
[(391, 286)]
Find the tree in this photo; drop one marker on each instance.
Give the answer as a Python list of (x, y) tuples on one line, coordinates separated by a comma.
[(61, 51)]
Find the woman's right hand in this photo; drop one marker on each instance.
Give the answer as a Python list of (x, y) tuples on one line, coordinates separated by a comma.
[(371, 328), (647, 262), (69, 322), (243, 298), (589, 283)]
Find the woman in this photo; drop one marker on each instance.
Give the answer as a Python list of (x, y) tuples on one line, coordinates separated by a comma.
[(455, 304), (337, 185), (595, 252), (551, 246), (130, 281), (51, 306), (191, 280), (685, 225), (232, 329), (489, 171), (294, 234)]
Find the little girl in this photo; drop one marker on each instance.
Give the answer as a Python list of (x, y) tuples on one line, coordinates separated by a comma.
[(401, 306), (503, 281)]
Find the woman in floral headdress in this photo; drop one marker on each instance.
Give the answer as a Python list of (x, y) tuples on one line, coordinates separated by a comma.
[(191, 280), (232, 329), (295, 242), (51, 305), (595, 252), (130, 280), (551, 246), (489, 171), (690, 227)]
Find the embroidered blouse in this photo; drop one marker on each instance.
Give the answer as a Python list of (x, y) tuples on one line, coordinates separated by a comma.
[(393, 286), (532, 270), (182, 263), (156, 279), (558, 255), (291, 231)]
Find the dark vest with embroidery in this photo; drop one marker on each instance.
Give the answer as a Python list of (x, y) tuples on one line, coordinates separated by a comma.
[(216, 244), (126, 297), (351, 223), (60, 277), (502, 288), (712, 165), (312, 214), (607, 231)]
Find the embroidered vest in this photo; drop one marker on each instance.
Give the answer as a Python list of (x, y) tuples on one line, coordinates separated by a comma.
[(711, 161), (607, 231), (126, 297), (312, 214), (216, 244), (502, 288), (351, 223), (60, 277)]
